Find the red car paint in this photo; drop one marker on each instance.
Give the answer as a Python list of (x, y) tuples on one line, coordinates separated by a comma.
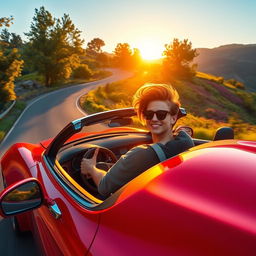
[(201, 202)]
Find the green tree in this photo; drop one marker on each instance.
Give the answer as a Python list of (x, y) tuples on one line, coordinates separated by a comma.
[(178, 56), (82, 71), (123, 56), (94, 51), (94, 47), (10, 68), (11, 40), (16, 41), (5, 36), (54, 46), (103, 59)]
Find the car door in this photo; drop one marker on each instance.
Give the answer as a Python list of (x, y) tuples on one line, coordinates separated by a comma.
[(62, 226)]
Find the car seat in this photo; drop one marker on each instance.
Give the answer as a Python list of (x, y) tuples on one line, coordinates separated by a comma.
[(224, 133)]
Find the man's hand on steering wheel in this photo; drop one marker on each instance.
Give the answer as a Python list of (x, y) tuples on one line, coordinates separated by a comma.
[(88, 164), (92, 171)]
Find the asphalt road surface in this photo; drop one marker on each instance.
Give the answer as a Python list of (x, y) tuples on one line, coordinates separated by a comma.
[(43, 118)]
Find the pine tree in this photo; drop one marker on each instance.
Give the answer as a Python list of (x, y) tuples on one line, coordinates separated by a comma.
[(54, 46), (123, 56), (10, 67)]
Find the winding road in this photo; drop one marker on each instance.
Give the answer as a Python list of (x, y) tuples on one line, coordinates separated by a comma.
[(43, 118)]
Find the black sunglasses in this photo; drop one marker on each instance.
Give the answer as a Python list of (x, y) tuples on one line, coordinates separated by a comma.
[(160, 114)]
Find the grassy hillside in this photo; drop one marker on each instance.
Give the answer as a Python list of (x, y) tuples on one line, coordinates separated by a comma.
[(230, 61), (209, 103)]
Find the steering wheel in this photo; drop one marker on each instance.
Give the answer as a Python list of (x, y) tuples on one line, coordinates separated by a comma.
[(104, 154)]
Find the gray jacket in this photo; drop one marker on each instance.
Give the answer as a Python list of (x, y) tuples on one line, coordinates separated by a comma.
[(138, 160)]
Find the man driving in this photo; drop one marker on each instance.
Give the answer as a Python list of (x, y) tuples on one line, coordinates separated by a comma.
[(157, 107)]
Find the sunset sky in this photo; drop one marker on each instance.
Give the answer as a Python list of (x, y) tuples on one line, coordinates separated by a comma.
[(147, 24)]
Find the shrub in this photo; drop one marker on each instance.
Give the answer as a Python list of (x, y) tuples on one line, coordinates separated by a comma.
[(203, 133), (117, 96), (248, 100), (31, 76), (82, 71), (220, 80), (235, 83), (101, 74), (92, 107), (240, 85), (246, 136)]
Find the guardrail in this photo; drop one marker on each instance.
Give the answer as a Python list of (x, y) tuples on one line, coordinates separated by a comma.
[(7, 110)]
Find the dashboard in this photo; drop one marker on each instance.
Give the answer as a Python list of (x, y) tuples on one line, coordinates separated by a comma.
[(70, 156)]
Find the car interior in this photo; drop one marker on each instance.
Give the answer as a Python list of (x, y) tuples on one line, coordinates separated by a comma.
[(112, 147), (71, 155), (81, 137)]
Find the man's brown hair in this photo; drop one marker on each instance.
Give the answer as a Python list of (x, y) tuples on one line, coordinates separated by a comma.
[(151, 92)]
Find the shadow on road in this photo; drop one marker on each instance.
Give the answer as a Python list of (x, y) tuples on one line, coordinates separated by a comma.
[(11, 245)]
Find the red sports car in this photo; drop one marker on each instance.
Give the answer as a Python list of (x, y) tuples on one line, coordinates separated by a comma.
[(200, 202)]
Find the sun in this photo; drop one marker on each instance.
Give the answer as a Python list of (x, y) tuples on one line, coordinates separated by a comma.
[(150, 50)]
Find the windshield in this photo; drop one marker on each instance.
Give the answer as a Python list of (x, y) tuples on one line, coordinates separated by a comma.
[(107, 127)]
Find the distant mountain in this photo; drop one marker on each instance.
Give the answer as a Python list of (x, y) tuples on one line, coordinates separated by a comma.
[(236, 61)]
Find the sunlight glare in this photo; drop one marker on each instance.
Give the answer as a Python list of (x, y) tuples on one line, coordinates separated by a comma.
[(150, 50)]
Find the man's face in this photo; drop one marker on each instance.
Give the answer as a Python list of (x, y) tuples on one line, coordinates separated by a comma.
[(155, 125)]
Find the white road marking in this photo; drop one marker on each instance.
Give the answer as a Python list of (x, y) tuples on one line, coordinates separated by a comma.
[(43, 96), (78, 105)]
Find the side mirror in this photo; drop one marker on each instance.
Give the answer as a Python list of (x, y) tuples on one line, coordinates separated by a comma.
[(20, 197)]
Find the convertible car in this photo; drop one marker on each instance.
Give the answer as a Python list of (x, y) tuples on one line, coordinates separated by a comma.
[(200, 202)]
